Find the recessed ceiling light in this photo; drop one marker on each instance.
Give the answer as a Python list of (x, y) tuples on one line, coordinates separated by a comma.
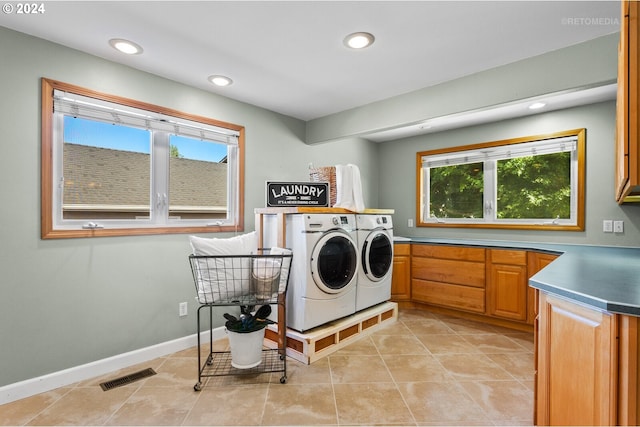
[(537, 105), (126, 46), (359, 40), (220, 80)]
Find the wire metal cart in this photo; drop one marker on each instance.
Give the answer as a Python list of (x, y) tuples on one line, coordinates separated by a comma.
[(246, 281)]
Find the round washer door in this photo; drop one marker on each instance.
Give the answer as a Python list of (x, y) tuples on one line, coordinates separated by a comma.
[(334, 262), (377, 255)]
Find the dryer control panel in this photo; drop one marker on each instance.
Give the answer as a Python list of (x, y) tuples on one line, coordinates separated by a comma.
[(324, 222), (340, 220)]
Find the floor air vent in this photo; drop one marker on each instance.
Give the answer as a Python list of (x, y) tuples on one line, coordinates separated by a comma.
[(127, 379)]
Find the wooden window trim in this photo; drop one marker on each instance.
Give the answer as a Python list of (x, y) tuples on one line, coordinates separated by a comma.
[(580, 191), (46, 168)]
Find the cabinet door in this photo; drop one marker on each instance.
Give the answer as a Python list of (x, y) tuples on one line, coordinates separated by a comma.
[(577, 366), (401, 278), (507, 284), (627, 176), (633, 13), (507, 291), (622, 108)]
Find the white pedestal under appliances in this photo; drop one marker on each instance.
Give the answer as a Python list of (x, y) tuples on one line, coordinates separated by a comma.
[(324, 268), (375, 243)]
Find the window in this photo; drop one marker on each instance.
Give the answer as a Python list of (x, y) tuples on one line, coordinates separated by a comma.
[(113, 166), (534, 183)]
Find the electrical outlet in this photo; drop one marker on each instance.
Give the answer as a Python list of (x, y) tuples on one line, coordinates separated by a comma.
[(410, 222), (607, 226), (182, 309), (618, 226)]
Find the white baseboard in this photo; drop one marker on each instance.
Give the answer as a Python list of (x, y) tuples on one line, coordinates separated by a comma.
[(33, 386)]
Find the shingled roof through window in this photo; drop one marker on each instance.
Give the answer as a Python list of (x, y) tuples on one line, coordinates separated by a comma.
[(102, 176)]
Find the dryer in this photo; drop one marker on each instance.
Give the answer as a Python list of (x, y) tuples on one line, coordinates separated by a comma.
[(324, 267), (375, 246)]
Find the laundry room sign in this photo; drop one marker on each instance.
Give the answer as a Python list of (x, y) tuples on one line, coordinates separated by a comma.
[(283, 194)]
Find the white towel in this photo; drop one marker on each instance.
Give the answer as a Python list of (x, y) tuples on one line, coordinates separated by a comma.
[(349, 188), (344, 187)]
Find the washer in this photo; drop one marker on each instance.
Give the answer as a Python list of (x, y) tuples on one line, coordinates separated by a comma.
[(324, 267), (375, 245)]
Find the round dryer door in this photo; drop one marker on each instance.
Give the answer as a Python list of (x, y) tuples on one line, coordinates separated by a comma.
[(334, 262), (377, 255)]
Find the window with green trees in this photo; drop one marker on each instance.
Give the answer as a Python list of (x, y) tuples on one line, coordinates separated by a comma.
[(531, 182)]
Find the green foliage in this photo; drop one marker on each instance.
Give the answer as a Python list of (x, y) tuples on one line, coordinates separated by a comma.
[(174, 152), (457, 191), (534, 187)]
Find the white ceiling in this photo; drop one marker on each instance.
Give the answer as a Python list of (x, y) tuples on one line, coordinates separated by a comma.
[(288, 56)]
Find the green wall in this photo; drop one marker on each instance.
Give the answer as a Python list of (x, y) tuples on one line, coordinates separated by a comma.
[(64, 303)]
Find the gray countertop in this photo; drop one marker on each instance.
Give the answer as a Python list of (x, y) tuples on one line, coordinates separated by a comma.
[(604, 277)]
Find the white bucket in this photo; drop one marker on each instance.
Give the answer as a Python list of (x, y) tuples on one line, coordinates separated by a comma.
[(246, 348)]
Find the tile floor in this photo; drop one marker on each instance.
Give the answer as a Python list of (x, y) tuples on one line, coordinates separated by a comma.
[(425, 369)]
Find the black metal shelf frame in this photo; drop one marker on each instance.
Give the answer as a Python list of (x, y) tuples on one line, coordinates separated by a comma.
[(230, 280)]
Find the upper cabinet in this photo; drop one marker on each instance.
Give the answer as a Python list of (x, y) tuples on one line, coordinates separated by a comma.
[(627, 177)]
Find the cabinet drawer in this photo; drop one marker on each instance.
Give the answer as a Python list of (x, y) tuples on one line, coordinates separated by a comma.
[(448, 295), (449, 271), (449, 252), (505, 256), (401, 249)]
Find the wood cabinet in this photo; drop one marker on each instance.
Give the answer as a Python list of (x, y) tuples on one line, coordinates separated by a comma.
[(577, 364), (587, 364), (492, 283), (627, 176), (536, 261), (449, 276), (401, 278), (507, 284), (628, 371)]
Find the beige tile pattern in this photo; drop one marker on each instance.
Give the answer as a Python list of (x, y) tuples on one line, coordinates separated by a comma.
[(441, 402), (371, 403), (426, 369)]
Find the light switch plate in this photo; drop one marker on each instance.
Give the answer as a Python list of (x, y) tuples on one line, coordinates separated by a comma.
[(607, 226), (182, 309), (618, 226)]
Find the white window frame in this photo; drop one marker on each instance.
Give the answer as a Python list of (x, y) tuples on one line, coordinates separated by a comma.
[(60, 99), (489, 154)]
